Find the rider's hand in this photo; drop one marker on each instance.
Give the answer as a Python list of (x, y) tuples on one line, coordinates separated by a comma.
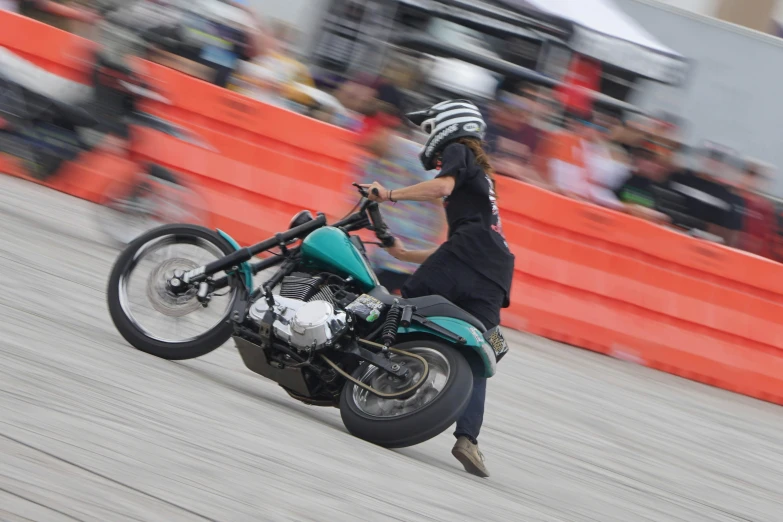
[(397, 251), (383, 192)]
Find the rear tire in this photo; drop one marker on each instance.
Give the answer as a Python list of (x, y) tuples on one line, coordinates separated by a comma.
[(418, 426), (132, 332)]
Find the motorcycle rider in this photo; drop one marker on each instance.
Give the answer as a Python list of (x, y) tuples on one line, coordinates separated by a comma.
[(474, 267)]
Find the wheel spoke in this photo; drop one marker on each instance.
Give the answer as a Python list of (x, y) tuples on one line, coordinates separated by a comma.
[(153, 308)]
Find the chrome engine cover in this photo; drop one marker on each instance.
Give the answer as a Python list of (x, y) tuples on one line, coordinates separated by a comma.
[(304, 325)]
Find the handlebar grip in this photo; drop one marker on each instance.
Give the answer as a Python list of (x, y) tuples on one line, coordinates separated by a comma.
[(381, 230), (386, 239), (376, 192)]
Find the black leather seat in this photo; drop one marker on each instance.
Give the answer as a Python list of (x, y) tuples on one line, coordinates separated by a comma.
[(430, 306)]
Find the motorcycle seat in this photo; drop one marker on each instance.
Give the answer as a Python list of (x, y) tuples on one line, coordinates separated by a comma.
[(430, 306)]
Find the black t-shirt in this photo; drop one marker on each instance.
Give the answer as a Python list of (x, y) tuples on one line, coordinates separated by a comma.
[(736, 218), (709, 201), (659, 196), (639, 190), (475, 230)]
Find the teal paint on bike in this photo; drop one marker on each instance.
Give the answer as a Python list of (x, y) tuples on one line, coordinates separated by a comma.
[(329, 248), (475, 339), (247, 273)]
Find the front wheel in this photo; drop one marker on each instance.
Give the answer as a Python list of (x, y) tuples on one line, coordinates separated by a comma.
[(149, 315), (399, 423)]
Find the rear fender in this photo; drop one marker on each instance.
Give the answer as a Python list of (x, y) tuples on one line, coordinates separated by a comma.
[(476, 349), (244, 268)]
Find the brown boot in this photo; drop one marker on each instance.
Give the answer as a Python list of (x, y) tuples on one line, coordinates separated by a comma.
[(471, 458)]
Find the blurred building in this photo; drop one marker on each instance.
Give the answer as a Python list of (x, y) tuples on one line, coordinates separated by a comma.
[(731, 95), (460, 37), (760, 15)]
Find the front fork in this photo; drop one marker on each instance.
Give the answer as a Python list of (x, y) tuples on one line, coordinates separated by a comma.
[(182, 282)]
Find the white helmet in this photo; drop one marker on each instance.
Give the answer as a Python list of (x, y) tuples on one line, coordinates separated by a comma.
[(444, 123)]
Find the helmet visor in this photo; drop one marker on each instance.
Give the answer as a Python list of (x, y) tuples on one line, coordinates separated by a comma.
[(428, 125)]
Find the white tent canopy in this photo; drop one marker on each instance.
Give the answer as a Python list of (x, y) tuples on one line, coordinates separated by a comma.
[(604, 32)]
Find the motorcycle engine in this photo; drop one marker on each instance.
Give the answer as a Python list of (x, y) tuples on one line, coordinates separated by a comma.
[(305, 314)]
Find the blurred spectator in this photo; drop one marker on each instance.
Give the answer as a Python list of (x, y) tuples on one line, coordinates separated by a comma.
[(630, 134), (276, 76), (393, 161), (206, 43), (565, 165), (711, 201), (759, 220), (388, 99), (54, 13), (512, 140), (642, 192), (606, 164), (584, 164), (357, 97), (253, 27), (390, 86), (356, 94), (219, 40)]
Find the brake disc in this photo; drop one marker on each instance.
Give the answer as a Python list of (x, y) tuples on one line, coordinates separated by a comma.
[(162, 298)]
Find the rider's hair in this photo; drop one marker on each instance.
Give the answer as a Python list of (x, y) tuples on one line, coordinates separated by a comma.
[(482, 159)]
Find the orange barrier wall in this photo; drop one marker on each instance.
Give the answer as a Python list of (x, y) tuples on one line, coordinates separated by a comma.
[(584, 275), (269, 162)]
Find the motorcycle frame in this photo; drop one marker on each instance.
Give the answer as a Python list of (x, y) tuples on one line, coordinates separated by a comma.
[(464, 337)]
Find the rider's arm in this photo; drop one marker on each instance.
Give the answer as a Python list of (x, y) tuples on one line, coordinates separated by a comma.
[(411, 256), (425, 191)]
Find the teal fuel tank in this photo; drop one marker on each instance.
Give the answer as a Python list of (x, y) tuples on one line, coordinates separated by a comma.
[(330, 249)]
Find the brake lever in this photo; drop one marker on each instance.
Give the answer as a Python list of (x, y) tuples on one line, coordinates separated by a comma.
[(361, 189)]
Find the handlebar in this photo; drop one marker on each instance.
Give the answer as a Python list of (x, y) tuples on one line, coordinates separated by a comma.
[(378, 224), (284, 237)]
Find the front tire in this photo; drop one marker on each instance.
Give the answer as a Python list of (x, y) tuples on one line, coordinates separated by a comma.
[(402, 423), (129, 324)]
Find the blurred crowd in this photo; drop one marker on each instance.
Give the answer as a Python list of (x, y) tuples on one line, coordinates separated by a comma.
[(223, 42), (636, 165), (629, 163)]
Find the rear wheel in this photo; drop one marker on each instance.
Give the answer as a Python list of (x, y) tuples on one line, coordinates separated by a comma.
[(149, 315), (398, 423)]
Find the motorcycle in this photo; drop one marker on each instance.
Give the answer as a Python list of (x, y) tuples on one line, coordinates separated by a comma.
[(322, 327), (50, 121)]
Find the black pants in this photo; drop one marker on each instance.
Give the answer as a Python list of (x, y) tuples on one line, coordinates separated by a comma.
[(445, 275), (392, 281)]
